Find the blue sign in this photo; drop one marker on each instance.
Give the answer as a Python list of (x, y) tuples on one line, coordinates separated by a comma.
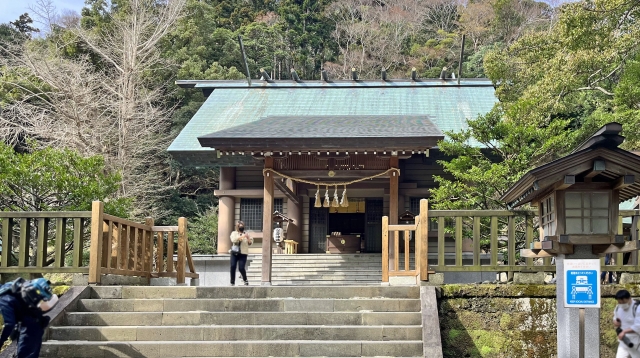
[(582, 283)]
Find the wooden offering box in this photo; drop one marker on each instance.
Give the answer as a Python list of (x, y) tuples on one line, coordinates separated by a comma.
[(343, 244)]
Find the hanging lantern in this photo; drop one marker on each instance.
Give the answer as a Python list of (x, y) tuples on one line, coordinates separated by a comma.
[(318, 203), (335, 202), (327, 202), (344, 202)]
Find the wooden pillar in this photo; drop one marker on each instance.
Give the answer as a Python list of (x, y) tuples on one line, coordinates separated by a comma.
[(226, 210), (267, 223), (393, 208), (95, 250), (294, 212)]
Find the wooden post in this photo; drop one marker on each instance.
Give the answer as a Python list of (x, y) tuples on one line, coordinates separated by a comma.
[(119, 253), (476, 241), (61, 235), (107, 244), (25, 235), (494, 241), (528, 237), (267, 223), (407, 235), (77, 242), (160, 252), (136, 251), (424, 241), (170, 248), (458, 237), (182, 250), (95, 251), (441, 261), (147, 246), (7, 241), (417, 244), (41, 245), (385, 249), (393, 208), (511, 237)]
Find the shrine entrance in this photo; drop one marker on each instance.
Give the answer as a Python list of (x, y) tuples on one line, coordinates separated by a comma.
[(358, 225)]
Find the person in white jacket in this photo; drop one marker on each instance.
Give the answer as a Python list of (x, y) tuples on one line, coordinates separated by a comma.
[(241, 240), (626, 320)]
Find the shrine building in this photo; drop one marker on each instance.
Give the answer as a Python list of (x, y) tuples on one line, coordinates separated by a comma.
[(333, 157)]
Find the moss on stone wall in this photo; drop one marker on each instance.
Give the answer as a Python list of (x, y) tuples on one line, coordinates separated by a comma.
[(504, 321)]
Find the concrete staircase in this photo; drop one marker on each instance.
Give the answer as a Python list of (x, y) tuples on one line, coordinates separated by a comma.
[(320, 269), (311, 321)]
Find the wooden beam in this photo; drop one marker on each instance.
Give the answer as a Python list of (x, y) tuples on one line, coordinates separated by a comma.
[(565, 182), (528, 253), (555, 247), (583, 239), (624, 181), (599, 166), (287, 192), (246, 193), (411, 227), (627, 246), (338, 174)]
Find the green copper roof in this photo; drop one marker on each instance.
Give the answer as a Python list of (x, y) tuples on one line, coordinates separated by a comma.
[(446, 104)]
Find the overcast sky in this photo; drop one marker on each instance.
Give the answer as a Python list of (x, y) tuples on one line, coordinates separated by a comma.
[(12, 9)]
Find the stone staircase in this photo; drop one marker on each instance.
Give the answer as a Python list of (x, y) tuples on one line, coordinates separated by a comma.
[(320, 269), (292, 321)]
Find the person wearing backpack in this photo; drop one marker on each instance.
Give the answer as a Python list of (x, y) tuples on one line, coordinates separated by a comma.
[(626, 320), (23, 304), (239, 252)]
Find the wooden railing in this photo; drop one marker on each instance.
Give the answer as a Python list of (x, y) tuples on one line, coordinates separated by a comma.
[(391, 237), (632, 261), (54, 242), (44, 240), (124, 247), (493, 239)]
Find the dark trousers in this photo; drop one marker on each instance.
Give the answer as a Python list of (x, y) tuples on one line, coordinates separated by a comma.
[(31, 330), (239, 261)]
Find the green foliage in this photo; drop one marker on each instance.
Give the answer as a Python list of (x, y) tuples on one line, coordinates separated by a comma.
[(203, 232), (555, 87), (23, 25), (56, 180)]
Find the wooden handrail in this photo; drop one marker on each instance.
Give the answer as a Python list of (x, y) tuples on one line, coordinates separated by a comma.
[(117, 246), (492, 235), (134, 249)]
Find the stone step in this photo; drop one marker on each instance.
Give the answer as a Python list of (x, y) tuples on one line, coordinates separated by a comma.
[(237, 333), (251, 305), (303, 348), (241, 318), (318, 291), (322, 276), (318, 268), (374, 265), (307, 282)]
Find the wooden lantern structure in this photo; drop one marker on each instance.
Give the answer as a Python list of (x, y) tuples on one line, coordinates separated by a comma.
[(578, 196), (407, 217)]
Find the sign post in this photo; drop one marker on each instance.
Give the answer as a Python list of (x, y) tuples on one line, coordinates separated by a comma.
[(581, 280)]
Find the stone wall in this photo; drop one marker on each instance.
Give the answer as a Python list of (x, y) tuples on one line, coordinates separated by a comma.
[(504, 321)]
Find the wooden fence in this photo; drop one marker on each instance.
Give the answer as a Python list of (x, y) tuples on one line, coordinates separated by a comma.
[(54, 242), (391, 236), (477, 241), (35, 233)]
